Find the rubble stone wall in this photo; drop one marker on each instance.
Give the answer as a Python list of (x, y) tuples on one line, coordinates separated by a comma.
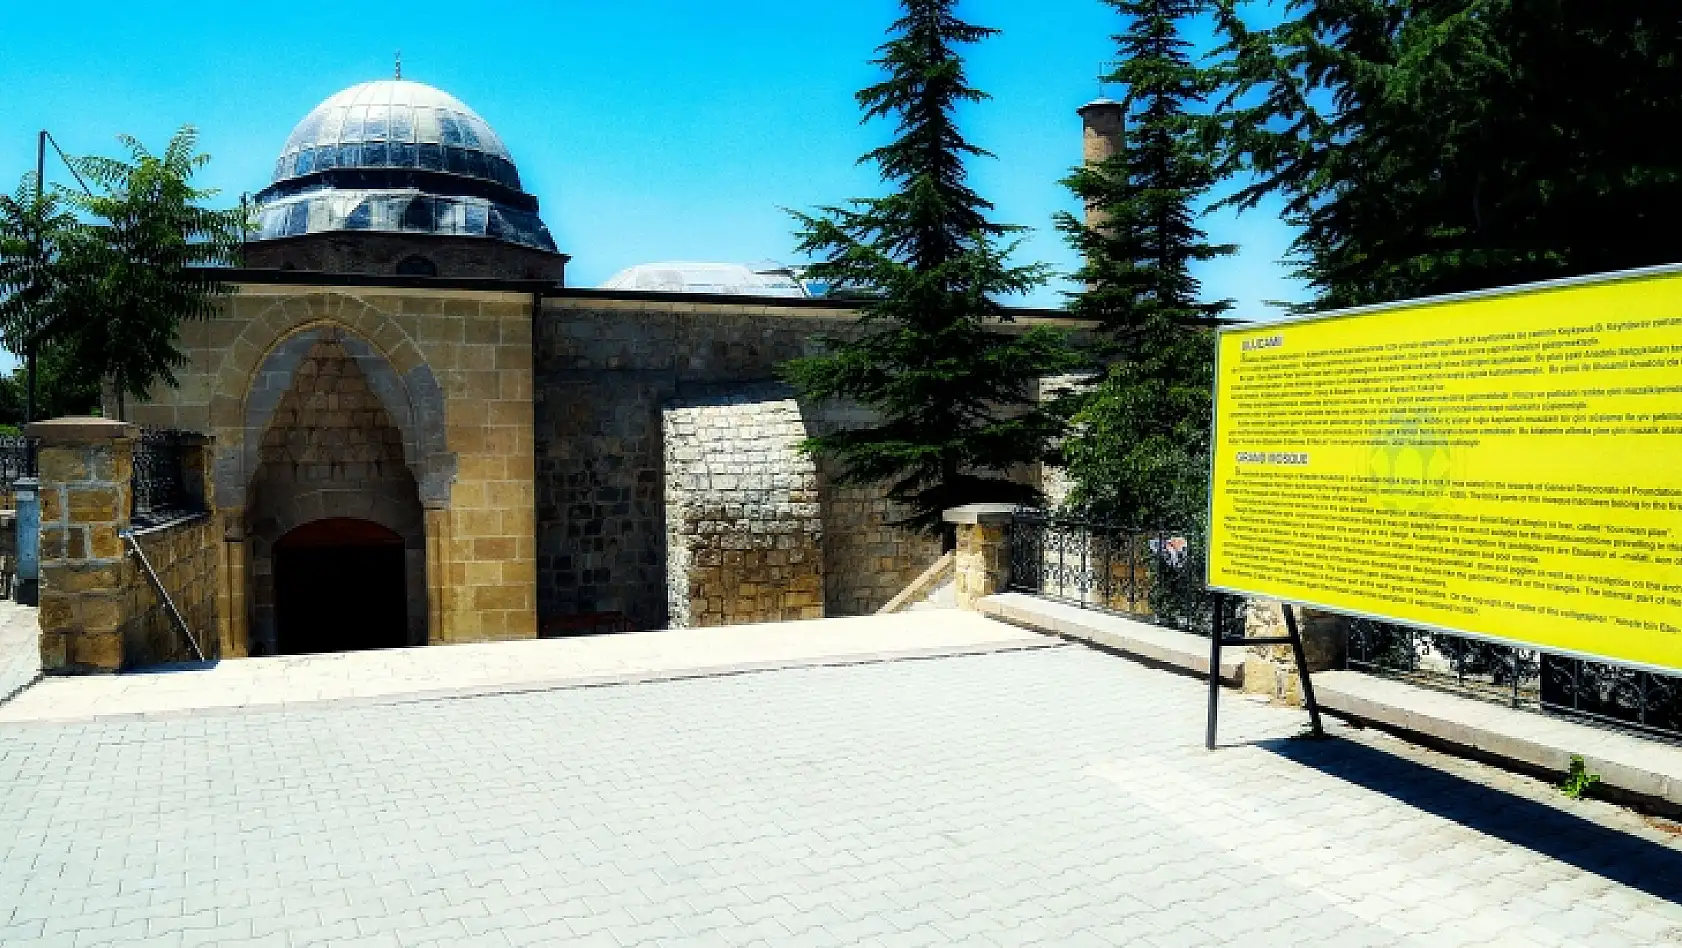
[(744, 532)]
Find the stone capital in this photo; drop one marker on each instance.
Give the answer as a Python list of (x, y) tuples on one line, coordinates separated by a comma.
[(81, 430), (983, 514)]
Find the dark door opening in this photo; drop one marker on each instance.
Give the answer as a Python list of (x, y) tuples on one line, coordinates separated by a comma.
[(339, 587)]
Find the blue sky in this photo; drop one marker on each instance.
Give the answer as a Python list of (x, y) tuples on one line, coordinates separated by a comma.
[(649, 129)]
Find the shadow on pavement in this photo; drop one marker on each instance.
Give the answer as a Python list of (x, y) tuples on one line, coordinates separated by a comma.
[(169, 668), (1619, 857)]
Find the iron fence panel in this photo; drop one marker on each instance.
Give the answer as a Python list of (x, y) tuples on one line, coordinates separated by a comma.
[(17, 459), (1521, 677), (159, 484), (1153, 575)]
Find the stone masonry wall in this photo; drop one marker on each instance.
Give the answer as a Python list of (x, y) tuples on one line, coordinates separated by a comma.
[(381, 253), (867, 560), (185, 556), (981, 563), (605, 370), (99, 609), (452, 368), (744, 535)]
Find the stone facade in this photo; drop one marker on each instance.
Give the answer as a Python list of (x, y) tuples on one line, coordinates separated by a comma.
[(867, 559), (452, 370), (606, 368), (515, 438), (744, 531), (331, 451)]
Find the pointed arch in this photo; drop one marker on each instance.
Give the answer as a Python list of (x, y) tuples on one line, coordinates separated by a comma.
[(266, 355)]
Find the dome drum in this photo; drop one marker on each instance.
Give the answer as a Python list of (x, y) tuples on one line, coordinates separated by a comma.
[(401, 211)]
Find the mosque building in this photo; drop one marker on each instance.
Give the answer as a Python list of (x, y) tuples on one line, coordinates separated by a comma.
[(423, 435)]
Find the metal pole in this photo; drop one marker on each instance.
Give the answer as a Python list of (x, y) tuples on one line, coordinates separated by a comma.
[(29, 346), (1216, 633), (1302, 670)]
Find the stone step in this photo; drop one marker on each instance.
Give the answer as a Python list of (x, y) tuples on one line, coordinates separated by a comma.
[(1643, 767), (1155, 643)]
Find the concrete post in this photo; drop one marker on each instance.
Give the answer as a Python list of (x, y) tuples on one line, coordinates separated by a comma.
[(981, 563), (86, 472)]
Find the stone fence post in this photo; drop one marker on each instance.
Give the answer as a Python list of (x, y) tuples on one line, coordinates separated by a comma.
[(981, 564), (86, 472), (1272, 669)]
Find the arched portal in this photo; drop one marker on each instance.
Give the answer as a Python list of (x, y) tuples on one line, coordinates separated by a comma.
[(334, 514), (340, 585)]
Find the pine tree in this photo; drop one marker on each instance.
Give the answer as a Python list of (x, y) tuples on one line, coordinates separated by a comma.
[(1434, 146), (1140, 453), (955, 395)]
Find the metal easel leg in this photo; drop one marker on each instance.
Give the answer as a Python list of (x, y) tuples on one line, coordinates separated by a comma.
[(1302, 669), (1217, 633)]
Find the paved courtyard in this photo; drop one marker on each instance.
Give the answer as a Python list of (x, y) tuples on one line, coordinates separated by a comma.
[(1055, 796)]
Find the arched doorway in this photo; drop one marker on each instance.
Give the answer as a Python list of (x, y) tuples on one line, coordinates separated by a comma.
[(331, 481), (339, 587)]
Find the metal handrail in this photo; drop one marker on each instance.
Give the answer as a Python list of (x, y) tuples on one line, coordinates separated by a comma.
[(169, 604)]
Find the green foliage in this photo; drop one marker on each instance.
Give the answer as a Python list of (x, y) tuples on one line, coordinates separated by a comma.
[(1578, 781), (141, 266), (956, 401), (1432, 146), (61, 388), (1140, 452), (35, 276)]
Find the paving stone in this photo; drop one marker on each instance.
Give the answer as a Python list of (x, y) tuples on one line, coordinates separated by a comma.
[(1047, 797)]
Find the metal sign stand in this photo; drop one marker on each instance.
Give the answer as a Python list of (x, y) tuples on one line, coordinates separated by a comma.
[(1218, 640)]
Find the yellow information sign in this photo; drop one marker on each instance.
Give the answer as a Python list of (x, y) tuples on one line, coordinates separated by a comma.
[(1506, 464)]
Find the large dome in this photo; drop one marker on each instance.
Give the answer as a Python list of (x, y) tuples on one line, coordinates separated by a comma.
[(398, 156), (394, 123)]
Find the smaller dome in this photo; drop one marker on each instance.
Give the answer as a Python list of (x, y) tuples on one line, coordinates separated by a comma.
[(729, 279)]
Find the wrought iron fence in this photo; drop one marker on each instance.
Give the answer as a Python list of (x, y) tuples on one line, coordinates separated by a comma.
[(1155, 575), (17, 459), (1523, 677), (160, 485)]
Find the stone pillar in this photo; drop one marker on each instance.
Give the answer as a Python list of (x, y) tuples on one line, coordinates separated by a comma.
[(1272, 669), (86, 471), (981, 564), (438, 618), (233, 621)]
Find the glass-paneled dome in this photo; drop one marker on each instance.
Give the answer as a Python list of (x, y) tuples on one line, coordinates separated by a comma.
[(398, 156), (734, 279)]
